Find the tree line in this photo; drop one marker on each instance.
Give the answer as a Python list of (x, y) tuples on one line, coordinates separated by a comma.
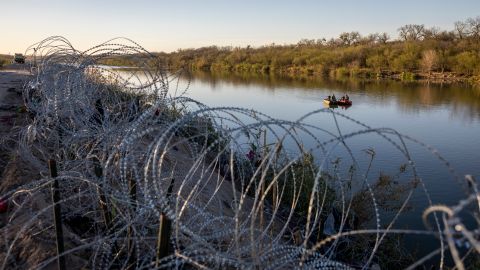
[(418, 51)]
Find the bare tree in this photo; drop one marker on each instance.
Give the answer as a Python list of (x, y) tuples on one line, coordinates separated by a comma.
[(383, 38), (376, 38), (461, 29), (355, 37), (431, 32), (345, 38), (334, 42), (474, 26), (349, 38), (370, 39), (429, 60), (412, 32), (417, 31), (403, 32), (305, 42)]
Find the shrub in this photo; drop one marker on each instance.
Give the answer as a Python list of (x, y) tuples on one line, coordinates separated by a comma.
[(405, 62), (408, 76), (342, 72), (467, 63), (377, 62)]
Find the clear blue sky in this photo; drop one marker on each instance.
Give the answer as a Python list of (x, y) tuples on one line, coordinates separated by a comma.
[(169, 25)]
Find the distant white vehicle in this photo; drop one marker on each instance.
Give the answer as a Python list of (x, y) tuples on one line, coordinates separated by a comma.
[(19, 58)]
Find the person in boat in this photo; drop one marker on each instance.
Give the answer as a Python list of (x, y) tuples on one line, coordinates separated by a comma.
[(334, 98), (347, 97), (342, 99), (328, 98)]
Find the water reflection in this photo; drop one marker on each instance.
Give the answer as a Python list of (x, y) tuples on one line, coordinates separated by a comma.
[(342, 107), (462, 100)]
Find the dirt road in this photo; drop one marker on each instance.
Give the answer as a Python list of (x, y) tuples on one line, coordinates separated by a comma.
[(12, 80)]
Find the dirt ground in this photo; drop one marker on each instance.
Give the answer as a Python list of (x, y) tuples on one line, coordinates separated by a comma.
[(29, 248), (12, 80)]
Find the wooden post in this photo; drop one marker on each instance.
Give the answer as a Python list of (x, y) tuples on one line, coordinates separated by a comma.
[(57, 214), (164, 231), (107, 215), (132, 188)]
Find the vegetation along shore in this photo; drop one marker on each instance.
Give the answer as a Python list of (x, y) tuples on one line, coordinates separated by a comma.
[(419, 53)]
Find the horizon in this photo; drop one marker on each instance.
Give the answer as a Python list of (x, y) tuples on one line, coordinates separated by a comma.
[(168, 26)]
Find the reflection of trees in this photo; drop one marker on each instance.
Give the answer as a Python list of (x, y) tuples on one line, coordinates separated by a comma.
[(462, 99)]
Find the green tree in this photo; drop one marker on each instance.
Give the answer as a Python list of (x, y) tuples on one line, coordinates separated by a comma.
[(408, 57), (467, 63), (378, 62)]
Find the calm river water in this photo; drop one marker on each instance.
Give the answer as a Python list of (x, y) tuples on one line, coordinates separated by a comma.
[(446, 117)]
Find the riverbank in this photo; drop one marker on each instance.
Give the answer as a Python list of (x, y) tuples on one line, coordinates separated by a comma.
[(369, 74), (297, 73)]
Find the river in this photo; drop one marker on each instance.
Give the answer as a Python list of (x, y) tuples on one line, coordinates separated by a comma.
[(444, 116)]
